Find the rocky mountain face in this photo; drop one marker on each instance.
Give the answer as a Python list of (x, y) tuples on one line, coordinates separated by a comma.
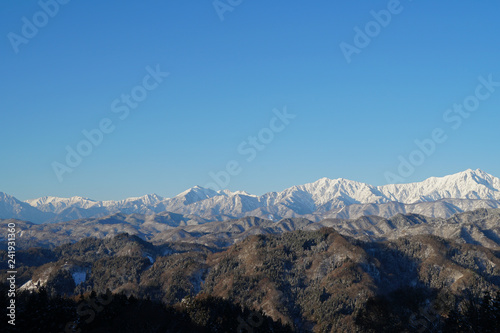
[(313, 281), (325, 198), (11, 207)]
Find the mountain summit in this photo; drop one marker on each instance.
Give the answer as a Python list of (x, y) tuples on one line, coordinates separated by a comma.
[(435, 196), (469, 184)]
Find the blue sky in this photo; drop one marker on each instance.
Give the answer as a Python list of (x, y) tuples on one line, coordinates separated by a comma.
[(352, 120)]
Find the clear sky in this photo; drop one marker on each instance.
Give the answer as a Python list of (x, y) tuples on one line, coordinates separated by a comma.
[(72, 69)]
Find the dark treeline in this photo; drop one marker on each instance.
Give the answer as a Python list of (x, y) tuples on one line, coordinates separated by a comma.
[(400, 311), (406, 310), (40, 312)]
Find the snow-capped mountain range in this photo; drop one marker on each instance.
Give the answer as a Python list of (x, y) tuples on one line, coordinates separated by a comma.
[(435, 197)]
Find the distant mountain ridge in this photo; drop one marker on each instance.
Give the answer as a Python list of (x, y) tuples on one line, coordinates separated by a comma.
[(325, 198), (481, 226)]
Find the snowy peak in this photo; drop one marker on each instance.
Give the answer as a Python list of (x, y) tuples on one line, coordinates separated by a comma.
[(149, 199), (195, 194), (229, 193), (6, 197), (56, 205), (40, 201), (10, 207), (56, 200), (319, 197), (478, 176), (337, 192), (468, 184), (325, 190)]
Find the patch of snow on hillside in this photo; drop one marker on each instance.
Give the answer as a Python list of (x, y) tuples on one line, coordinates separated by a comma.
[(79, 277)]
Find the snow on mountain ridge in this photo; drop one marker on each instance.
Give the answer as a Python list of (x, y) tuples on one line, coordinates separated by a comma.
[(325, 190), (57, 205), (11, 207), (326, 194), (317, 197), (148, 199), (468, 184)]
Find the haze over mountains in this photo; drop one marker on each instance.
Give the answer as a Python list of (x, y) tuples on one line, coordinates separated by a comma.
[(326, 198)]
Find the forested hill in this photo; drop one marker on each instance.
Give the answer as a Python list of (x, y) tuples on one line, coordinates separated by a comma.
[(318, 281)]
